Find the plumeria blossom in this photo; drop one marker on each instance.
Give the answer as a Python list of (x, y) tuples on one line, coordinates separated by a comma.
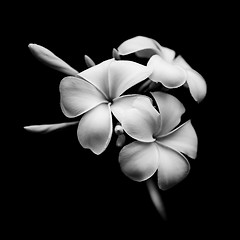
[(159, 144), (171, 71), (94, 93)]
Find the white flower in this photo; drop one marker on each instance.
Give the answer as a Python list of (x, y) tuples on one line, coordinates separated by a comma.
[(95, 93), (170, 71), (159, 144)]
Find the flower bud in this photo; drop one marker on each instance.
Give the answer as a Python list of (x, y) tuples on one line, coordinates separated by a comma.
[(118, 129), (89, 62), (51, 60), (120, 140), (115, 54), (45, 128)]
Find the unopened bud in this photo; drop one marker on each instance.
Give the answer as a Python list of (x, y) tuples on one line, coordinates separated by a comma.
[(120, 140), (45, 128), (51, 60), (89, 62), (118, 129), (115, 54)]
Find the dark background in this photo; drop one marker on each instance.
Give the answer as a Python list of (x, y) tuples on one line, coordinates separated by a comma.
[(57, 188)]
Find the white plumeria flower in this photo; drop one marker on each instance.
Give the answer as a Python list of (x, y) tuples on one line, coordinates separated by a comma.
[(95, 93), (159, 145), (170, 71)]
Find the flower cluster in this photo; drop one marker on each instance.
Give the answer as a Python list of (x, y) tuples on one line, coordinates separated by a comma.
[(126, 98)]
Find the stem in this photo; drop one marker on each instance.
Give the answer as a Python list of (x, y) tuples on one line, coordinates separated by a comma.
[(156, 198)]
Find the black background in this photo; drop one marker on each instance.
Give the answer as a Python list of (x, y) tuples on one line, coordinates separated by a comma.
[(57, 188)]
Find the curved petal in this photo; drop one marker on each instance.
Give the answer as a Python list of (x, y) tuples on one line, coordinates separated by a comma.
[(95, 129), (78, 96), (166, 53), (139, 161), (123, 103), (51, 60), (195, 81), (142, 46), (98, 76), (173, 167), (170, 75), (197, 85), (125, 74), (181, 62), (138, 117), (171, 110), (48, 127), (182, 139)]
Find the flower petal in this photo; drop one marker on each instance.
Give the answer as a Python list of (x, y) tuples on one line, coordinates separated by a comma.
[(138, 117), (166, 53), (98, 76), (125, 74), (195, 81), (142, 46), (170, 75), (173, 167), (51, 60), (197, 85), (95, 129), (181, 62), (182, 139), (138, 160), (171, 110), (78, 96), (48, 127), (123, 103)]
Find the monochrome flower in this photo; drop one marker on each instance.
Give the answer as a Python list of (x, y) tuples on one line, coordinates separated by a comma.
[(94, 92), (170, 71), (159, 144)]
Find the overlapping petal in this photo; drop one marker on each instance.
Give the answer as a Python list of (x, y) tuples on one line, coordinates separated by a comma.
[(98, 76), (142, 46), (167, 54), (138, 117), (173, 167), (196, 83), (123, 103), (182, 139), (170, 75), (179, 60), (78, 96), (171, 110), (125, 74), (95, 128), (138, 160), (145, 47)]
